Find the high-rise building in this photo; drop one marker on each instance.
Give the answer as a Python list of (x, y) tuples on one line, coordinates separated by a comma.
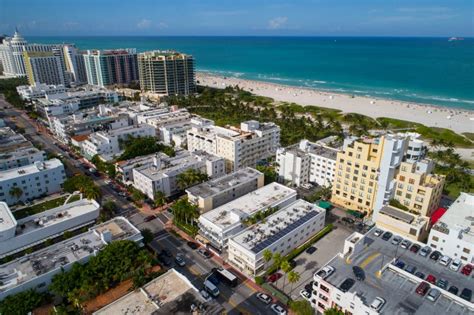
[(11, 53), (108, 67), (74, 62), (43, 67), (166, 73)]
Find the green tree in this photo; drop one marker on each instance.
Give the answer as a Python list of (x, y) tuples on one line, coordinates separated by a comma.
[(190, 177), (267, 255), (293, 277), (269, 173), (301, 307), (333, 311), (285, 267), (159, 198), (16, 192), (92, 192), (277, 259), (138, 196), (184, 212), (147, 236), (21, 303)]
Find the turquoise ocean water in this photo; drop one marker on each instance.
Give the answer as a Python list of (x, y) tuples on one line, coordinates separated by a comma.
[(423, 70)]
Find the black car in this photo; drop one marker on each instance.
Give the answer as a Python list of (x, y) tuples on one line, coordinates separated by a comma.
[(359, 273), (410, 269), (192, 245), (311, 250), (348, 220), (420, 275), (435, 255), (213, 279), (454, 290), (466, 294), (166, 252), (347, 284), (386, 236), (309, 286), (164, 260)]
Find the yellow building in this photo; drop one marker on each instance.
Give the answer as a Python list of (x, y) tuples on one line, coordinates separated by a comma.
[(417, 189), (408, 225), (357, 168)]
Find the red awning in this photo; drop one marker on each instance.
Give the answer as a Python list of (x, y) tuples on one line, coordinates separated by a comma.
[(437, 215)]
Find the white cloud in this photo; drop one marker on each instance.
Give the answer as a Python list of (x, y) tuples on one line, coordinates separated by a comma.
[(277, 23), (144, 24)]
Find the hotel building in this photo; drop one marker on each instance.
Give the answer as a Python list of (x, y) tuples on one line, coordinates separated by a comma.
[(39, 90), (281, 232), (44, 67)]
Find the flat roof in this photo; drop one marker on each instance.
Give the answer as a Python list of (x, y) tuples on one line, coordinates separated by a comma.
[(286, 220), (7, 220), (220, 184), (27, 170), (58, 255), (394, 285), (18, 153), (170, 293), (262, 198), (397, 214)]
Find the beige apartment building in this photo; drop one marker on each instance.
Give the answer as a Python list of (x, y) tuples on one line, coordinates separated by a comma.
[(417, 188), (355, 182)]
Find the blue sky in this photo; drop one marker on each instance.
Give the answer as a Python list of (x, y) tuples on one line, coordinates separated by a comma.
[(239, 17)]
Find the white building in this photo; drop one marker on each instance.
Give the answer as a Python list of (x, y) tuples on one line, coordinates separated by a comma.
[(281, 232), (20, 157), (35, 180), (17, 235), (453, 234), (107, 143), (307, 163), (36, 270), (11, 55), (241, 147), (125, 168), (44, 67), (222, 223), (39, 90), (163, 174), (175, 135), (158, 120), (216, 192)]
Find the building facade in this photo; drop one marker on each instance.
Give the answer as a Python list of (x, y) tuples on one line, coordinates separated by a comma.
[(167, 73), (20, 157), (44, 67)]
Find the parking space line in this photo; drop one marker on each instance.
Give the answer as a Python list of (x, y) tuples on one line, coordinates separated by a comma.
[(369, 259)]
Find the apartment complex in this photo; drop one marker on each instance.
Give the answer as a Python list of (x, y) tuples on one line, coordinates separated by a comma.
[(125, 168), (44, 67), (31, 181), (453, 234), (107, 143), (335, 285), (11, 55), (163, 174), (18, 235), (108, 67), (219, 191), (281, 232), (224, 222), (307, 163), (20, 157), (36, 270), (167, 73), (39, 90), (240, 147)]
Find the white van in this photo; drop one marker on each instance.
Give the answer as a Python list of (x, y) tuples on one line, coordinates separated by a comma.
[(211, 288)]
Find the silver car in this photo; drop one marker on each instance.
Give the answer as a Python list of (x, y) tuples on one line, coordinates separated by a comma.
[(433, 294)]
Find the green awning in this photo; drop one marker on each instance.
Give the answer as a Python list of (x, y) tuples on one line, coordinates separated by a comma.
[(326, 205), (356, 214)]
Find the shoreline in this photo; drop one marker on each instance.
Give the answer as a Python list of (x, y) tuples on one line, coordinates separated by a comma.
[(456, 119)]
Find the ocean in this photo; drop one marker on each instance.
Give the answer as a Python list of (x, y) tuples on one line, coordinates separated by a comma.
[(422, 70)]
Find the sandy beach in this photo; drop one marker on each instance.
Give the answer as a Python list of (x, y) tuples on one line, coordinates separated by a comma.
[(459, 120)]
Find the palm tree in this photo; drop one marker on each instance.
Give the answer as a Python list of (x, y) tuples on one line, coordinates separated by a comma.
[(267, 255), (159, 198), (293, 277), (92, 192), (16, 192), (277, 259), (285, 267)]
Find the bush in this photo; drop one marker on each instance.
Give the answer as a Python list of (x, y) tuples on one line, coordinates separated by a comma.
[(302, 307), (259, 280)]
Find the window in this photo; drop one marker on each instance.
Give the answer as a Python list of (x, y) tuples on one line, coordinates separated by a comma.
[(401, 178)]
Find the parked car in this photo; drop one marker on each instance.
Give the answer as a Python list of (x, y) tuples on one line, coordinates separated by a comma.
[(192, 245), (305, 294), (442, 283), (422, 288), (205, 295), (179, 260), (410, 269), (399, 263), (405, 244), (309, 286), (454, 290), (164, 260), (311, 250), (466, 270), (274, 277), (433, 294), (278, 309), (377, 304), (431, 279), (386, 236), (420, 275), (347, 284), (466, 294), (455, 264), (266, 299), (347, 220), (378, 232), (149, 218), (425, 251), (325, 272), (166, 252), (435, 255), (415, 248), (445, 260), (396, 240), (359, 273), (204, 253)]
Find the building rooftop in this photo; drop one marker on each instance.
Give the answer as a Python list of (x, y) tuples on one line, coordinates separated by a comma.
[(232, 212), (262, 235), (393, 284), (225, 182), (170, 293), (459, 217), (10, 140), (7, 220), (26, 170), (69, 251), (18, 153)]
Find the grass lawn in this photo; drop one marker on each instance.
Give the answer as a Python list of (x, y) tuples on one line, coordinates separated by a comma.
[(40, 207), (469, 135), (446, 135), (397, 123)]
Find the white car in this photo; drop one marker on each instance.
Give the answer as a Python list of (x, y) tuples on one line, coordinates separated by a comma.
[(377, 304), (445, 260), (277, 309), (325, 272), (405, 244), (205, 295), (378, 232), (264, 298), (305, 294), (455, 264)]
